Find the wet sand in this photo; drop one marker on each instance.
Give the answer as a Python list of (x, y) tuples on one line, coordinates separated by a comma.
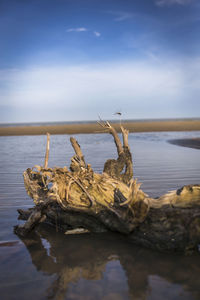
[(191, 143), (137, 126)]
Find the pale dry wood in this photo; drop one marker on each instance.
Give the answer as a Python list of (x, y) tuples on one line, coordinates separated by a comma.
[(78, 152), (125, 133), (106, 125), (47, 152), (82, 187)]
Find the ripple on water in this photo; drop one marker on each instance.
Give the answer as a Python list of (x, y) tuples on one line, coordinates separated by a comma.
[(50, 265)]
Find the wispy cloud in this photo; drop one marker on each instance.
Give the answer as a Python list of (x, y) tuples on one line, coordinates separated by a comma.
[(97, 34), (121, 15), (83, 29), (79, 29), (82, 92), (172, 2)]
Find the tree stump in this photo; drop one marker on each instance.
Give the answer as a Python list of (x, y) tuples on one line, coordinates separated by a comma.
[(112, 201)]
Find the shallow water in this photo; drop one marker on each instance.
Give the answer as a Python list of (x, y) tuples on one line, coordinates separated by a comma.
[(51, 265)]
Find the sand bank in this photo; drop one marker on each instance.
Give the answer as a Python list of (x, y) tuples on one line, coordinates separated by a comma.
[(191, 143), (144, 126)]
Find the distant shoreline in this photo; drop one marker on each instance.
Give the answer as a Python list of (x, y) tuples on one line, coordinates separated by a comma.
[(189, 143), (92, 127)]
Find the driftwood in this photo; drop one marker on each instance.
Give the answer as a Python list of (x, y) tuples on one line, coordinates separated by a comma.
[(112, 201)]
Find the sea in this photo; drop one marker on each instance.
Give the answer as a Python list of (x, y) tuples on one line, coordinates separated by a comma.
[(51, 265)]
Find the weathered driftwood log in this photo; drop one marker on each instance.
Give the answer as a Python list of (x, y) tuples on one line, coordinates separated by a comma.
[(111, 201)]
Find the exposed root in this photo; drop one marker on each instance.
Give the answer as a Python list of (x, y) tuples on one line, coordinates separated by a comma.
[(113, 200)]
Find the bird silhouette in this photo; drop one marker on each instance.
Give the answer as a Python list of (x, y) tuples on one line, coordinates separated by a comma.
[(118, 113)]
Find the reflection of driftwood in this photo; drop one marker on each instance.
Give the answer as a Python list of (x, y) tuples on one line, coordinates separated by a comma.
[(86, 257), (112, 201)]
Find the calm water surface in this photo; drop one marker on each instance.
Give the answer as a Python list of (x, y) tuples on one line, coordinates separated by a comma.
[(51, 265)]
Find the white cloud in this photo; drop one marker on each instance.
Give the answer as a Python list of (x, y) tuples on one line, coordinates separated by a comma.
[(141, 89), (79, 29), (97, 34), (121, 15), (171, 2), (83, 29)]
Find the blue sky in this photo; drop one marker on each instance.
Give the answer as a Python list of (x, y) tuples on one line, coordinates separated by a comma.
[(65, 60)]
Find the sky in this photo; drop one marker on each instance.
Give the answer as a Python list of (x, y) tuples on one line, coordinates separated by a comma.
[(72, 60)]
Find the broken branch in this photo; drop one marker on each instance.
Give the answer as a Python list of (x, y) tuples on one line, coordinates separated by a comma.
[(47, 152)]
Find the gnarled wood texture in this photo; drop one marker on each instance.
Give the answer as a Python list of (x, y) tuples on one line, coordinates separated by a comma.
[(111, 201)]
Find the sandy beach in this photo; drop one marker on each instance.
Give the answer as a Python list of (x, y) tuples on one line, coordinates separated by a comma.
[(136, 126)]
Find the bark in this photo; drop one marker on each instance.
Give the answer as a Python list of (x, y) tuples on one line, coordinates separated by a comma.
[(111, 201)]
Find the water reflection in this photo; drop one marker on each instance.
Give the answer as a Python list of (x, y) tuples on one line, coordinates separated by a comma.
[(107, 266), (100, 266)]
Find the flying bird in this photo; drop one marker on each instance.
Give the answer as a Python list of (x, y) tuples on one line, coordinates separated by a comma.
[(118, 113)]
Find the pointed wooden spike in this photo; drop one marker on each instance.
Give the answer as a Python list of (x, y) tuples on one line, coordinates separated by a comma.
[(47, 152)]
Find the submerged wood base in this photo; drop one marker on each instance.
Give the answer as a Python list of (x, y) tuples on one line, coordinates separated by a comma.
[(165, 228), (111, 201)]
